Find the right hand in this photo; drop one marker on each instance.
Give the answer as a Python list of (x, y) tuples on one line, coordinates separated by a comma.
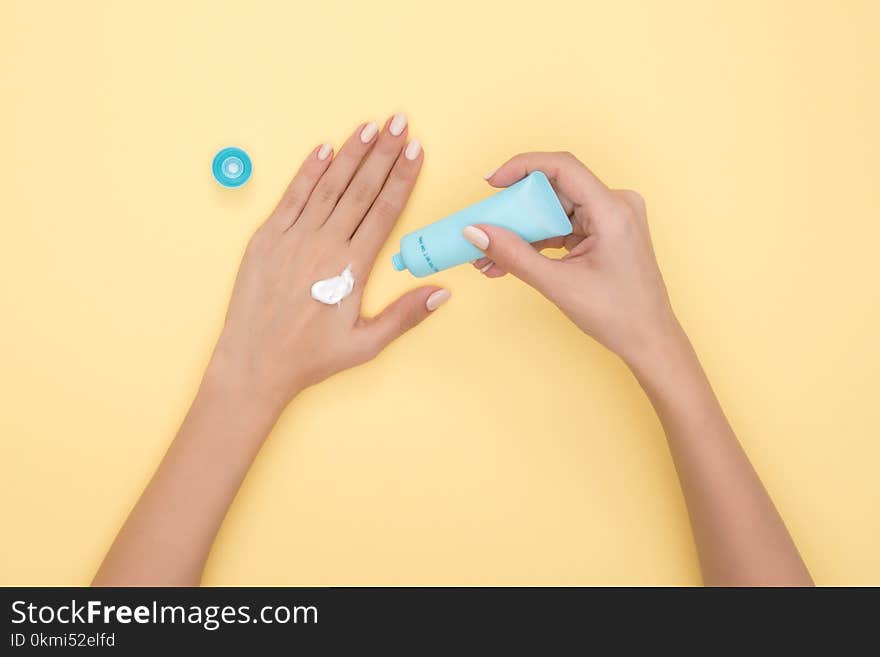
[(608, 283)]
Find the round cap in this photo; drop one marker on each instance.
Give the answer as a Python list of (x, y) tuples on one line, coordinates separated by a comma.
[(397, 261), (231, 167)]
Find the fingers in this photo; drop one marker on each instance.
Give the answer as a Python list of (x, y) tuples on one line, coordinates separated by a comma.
[(550, 243), (402, 315), (300, 188), (509, 252), (368, 181), (380, 219), (336, 179), (569, 176), (488, 267), (482, 264)]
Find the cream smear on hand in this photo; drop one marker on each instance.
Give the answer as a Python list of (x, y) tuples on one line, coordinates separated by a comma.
[(333, 290)]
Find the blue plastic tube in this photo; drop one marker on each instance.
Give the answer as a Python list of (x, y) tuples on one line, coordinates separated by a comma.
[(529, 208)]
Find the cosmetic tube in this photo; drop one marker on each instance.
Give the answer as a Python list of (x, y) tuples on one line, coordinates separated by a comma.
[(529, 208)]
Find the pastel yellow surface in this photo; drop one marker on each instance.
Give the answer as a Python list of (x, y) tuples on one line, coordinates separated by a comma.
[(495, 444)]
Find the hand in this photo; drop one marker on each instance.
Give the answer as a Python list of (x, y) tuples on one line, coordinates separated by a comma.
[(609, 283), (337, 212)]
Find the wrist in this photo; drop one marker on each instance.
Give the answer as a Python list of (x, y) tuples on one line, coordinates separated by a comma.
[(251, 413), (224, 428), (665, 349), (229, 379)]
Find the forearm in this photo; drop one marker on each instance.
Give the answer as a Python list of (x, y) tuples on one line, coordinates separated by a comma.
[(168, 535), (740, 537)]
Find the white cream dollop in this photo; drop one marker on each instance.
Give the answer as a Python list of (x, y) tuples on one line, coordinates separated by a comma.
[(333, 290)]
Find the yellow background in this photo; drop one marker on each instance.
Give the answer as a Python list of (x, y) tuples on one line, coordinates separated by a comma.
[(495, 444)]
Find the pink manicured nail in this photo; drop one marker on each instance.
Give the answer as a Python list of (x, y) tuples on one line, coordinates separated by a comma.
[(486, 267), (490, 174), (370, 130), (324, 151), (398, 123), (437, 299), (476, 237), (413, 149)]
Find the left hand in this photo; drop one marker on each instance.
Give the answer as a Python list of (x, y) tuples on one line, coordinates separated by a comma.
[(337, 212)]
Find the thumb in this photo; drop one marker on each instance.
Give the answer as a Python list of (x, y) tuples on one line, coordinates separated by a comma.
[(511, 253), (403, 314)]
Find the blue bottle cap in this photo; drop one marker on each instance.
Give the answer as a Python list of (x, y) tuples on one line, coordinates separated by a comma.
[(232, 167), (397, 262)]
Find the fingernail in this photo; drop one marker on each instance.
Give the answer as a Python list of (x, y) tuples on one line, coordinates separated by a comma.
[(324, 151), (369, 132), (476, 237), (486, 267), (413, 149), (437, 299), (490, 174), (398, 123)]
